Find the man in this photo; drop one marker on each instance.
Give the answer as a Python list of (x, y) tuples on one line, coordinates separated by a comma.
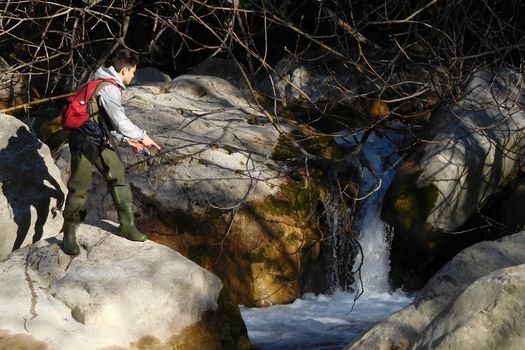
[(90, 145)]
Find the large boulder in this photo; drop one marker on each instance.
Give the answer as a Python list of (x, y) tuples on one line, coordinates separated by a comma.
[(314, 79), (474, 144), (215, 192), (116, 294), (474, 302), (489, 314), (31, 192)]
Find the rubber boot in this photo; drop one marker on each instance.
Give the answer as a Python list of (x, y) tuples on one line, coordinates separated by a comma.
[(70, 241), (127, 226), (124, 203)]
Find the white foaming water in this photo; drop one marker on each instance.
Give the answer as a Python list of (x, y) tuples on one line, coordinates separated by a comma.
[(375, 246), (324, 322), (373, 233)]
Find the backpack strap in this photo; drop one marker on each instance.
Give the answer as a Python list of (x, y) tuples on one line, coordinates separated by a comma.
[(94, 113), (92, 105)]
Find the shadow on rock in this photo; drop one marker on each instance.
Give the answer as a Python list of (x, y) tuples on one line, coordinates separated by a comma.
[(25, 178)]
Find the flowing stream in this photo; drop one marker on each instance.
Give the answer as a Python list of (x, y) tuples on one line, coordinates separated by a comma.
[(332, 321)]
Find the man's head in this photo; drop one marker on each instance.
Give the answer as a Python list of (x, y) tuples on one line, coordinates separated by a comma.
[(125, 63)]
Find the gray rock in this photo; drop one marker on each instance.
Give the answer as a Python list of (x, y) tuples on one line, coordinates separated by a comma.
[(313, 80), (476, 143), (479, 147), (13, 85), (489, 314), (31, 191), (439, 303), (212, 153), (218, 156), (114, 293)]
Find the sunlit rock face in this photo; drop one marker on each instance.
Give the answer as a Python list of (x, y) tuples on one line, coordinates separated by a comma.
[(474, 302), (215, 192), (474, 144), (487, 315), (31, 191), (114, 294)]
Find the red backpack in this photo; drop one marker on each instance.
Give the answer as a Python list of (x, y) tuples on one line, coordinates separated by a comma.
[(76, 112)]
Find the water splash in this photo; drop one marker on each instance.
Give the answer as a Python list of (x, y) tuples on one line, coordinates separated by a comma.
[(318, 322), (370, 266), (375, 237), (375, 242), (378, 157)]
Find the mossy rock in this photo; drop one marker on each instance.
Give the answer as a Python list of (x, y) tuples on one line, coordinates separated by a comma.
[(285, 149), (223, 329), (407, 207), (288, 147), (259, 251)]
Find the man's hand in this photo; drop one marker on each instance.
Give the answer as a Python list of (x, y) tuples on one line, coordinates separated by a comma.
[(137, 146), (148, 142)]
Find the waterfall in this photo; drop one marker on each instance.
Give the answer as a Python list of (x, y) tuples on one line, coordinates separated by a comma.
[(340, 248), (374, 236), (375, 239), (323, 322)]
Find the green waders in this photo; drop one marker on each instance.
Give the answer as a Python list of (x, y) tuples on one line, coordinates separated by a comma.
[(79, 186)]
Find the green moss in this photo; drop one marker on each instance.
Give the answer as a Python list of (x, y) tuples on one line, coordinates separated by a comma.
[(273, 206), (199, 254), (303, 198), (279, 206), (294, 238), (407, 207), (213, 213), (261, 258), (252, 257), (325, 147), (292, 199), (284, 149), (414, 206), (233, 333)]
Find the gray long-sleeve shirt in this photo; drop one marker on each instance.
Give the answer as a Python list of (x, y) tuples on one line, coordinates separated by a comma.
[(110, 98)]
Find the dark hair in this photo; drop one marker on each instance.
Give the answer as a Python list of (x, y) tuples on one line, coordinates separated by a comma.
[(124, 58)]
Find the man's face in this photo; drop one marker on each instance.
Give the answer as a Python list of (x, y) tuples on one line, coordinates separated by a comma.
[(127, 74)]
